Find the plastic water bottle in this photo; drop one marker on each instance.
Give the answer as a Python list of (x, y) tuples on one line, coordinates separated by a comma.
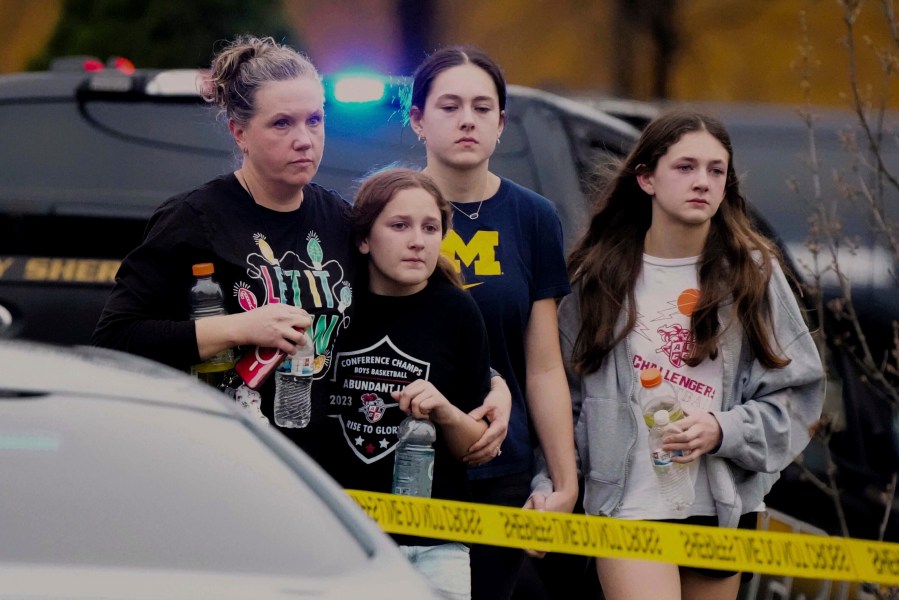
[(208, 300), (657, 394), (674, 479), (413, 466), (293, 387)]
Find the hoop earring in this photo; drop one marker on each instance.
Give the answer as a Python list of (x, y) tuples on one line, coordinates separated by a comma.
[(422, 139), (497, 140)]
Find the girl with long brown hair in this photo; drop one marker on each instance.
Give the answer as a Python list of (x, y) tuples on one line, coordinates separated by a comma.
[(671, 274)]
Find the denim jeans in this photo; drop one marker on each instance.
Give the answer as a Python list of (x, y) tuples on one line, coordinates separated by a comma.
[(445, 566)]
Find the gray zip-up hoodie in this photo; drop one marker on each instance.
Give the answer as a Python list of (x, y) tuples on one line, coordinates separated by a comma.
[(765, 418)]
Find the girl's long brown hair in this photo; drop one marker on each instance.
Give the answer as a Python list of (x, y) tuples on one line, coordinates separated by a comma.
[(608, 258), (379, 189)]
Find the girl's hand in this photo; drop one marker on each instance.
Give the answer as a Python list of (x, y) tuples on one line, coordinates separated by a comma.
[(422, 400), (554, 501), (537, 501), (551, 501), (700, 434)]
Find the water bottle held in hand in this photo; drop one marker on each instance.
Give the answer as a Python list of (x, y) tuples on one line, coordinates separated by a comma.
[(674, 479), (413, 467), (656, 394), (293, 387)]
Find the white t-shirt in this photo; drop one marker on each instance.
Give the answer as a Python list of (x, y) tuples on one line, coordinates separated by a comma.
[(666, 292)]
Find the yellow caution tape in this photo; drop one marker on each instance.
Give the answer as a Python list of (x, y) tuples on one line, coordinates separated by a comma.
[(775, 553)]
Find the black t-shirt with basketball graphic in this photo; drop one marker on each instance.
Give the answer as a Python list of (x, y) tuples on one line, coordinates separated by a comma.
[(436, 335)]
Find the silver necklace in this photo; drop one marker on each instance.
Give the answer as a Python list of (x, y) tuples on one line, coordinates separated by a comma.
[(472, 216), (246, 184)]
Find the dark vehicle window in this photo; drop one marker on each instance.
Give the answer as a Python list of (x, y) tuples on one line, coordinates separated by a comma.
[(123, 159), (121, 168), (164, 124)]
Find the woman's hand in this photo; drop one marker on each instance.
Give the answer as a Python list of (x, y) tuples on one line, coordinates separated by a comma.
[(497, 409), (700, 434), (278, 326), (272, 326)]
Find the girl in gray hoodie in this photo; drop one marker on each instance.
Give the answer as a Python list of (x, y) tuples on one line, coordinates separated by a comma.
[(671, 274)]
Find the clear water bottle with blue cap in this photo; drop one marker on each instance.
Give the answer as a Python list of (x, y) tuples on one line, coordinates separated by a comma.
[(293, 387)]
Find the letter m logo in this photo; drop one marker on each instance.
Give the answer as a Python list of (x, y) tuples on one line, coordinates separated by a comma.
[(480, 252)]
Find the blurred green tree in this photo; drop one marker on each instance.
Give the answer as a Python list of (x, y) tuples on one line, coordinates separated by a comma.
[(161, 33)]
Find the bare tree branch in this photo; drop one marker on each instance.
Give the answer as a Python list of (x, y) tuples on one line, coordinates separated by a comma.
[(861, 184)]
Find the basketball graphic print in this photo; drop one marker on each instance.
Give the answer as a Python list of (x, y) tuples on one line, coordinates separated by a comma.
[(687, 300)]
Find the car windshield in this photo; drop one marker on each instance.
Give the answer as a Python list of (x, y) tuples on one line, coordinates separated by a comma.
[(89, 481)]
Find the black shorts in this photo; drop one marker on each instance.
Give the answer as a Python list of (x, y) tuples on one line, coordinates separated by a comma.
[(747, 521)]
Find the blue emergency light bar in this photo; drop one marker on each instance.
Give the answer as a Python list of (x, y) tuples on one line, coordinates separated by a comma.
[(359, 87)]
